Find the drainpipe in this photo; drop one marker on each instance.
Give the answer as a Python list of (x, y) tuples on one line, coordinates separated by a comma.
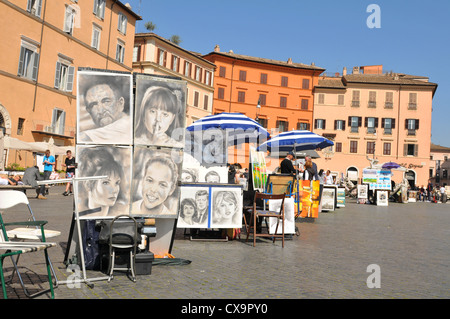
[(40, 52), (109, 35)]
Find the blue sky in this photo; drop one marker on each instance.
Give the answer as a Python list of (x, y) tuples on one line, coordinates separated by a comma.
[(413, 37)]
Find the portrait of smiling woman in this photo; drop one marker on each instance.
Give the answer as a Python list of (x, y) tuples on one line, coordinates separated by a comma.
[(155, 183), (111, 194)]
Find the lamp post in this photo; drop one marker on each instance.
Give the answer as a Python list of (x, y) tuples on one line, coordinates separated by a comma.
[(258, 107)]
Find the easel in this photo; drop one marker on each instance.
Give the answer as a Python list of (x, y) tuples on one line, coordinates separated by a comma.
[(78, 225)]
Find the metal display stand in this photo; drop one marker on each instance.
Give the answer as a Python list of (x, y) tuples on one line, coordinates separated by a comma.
[(84, 279)]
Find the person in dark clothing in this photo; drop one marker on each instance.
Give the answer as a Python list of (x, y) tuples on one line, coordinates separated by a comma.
[(286, 165), (30, 177)]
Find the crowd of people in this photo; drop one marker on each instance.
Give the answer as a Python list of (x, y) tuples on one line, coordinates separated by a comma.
[(432, 193)]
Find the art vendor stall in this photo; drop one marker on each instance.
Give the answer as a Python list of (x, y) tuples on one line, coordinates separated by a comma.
[(137, 150), (379, 183)]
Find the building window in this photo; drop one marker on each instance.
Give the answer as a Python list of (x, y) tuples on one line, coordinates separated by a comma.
[(28, 61), (321, 98), (136, 53), (355, 98), (304, 104), (282, 125), (386, 148), (122, 24), (389, 101), (284, 81), (222, 71), (370, 148), (262, 122), (162, 57), (371, 123), (20, 126), (69, 20), (242, 75), (120, 51), (198, 73), (372, 99), (319, 124), (411, 125), (196, 98), (221, 93), (96, 32), (64, 76), (207, 78), (262, 99), (339, 125), (341, 99), (175, 63), (283, 101), (303, 126), (187, 69), (99, 8), (58, 121), (412, 105), (34, 7), (305, 84), (263, 79), (353, 146), (205, 102), (338, 147), (241, 96), (355, 123), (388, 124), (444, 174), (410, 149)]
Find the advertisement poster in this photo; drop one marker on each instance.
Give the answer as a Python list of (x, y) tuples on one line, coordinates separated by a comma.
[(377, 179)]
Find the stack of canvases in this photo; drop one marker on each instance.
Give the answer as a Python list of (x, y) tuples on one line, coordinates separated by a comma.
[(138, 146)]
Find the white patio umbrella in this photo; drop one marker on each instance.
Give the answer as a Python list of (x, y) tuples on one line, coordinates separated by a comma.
[(295, 141), (14, 143)]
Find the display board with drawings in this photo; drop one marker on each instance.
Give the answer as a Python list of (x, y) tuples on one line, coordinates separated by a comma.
[(104, 105), (210, 206), (209, 147)]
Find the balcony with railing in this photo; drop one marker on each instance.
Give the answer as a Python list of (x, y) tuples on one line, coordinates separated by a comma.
[(412, 106), (44, 127)]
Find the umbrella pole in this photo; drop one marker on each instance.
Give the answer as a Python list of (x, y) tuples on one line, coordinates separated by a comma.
[(298, 186)]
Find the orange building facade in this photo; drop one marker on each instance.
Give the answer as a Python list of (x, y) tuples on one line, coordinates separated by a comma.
[(43, 45), (154, 54), (370, 115), (283, 90)]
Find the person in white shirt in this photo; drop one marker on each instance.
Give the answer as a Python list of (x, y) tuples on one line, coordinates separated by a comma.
[(329, 178)]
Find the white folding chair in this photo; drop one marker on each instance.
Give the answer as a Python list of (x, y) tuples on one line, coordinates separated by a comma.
[(30, 230)]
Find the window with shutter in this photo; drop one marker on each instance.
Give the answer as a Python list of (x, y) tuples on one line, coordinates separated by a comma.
[(222, 71), (28, 61), (355, 98), (372, 99), (263, 79), (221, 93), (338, 147), (241, 96), (370, 148), (99, 8), (341, 99), (386, 148), (321, 98), (262, 99), (242, 75), (305, 84), (389, 101), (96, 31), (304, 104), (34, 7), (284, 81), (122, 23), (206, 102), (283, 101), (353, 146), (412, 105), (196, 98)]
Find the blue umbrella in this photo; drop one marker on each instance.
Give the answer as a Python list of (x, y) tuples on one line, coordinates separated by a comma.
[(295, 140), (239, 128), (390, 165)]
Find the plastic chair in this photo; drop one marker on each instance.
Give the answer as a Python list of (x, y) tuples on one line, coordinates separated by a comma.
[(256, 213), (123, 236), (33, 230)]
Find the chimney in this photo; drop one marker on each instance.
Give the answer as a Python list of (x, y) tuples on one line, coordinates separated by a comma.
[(217, 48), (355, 70), (289, 61), (344, 71)]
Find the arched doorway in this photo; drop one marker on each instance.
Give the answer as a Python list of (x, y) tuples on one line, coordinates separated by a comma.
[(353, 174), (410, 175)]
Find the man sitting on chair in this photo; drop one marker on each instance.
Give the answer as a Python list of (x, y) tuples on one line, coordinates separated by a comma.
[(286, 165)]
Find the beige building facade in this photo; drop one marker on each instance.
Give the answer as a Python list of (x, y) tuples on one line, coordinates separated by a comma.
[(43, 45), (371, 115), (154, 54)]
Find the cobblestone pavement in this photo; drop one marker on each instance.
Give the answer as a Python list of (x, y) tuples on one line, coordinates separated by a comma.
[(329, 260)]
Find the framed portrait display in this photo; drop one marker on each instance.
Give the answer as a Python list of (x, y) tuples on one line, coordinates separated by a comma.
[(160, 112), (208, 147), (210, 206), (289, 216), (154, 184), (194, 207), (104, 108), (382, 198), (328, 198), (363, 191), (108, 197)]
